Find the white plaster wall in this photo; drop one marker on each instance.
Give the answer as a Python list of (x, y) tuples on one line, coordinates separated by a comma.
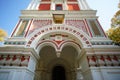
[(106, 73), (96, 73), (7, 73), (4, 75)]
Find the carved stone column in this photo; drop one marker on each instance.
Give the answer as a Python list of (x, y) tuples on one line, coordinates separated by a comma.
[(79, 74), (73, 74)]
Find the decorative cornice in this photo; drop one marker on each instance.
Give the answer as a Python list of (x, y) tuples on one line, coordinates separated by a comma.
[(103, 60), (19, 50), (48, 14), (15, 41)]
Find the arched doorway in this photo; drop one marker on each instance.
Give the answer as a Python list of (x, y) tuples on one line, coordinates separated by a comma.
[(58, 73), (52, 67)]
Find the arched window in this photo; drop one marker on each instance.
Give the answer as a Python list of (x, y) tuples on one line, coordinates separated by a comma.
[(59, 7)]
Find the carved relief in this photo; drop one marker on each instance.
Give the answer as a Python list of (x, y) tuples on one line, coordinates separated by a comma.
[(14, 60), (37, 24), (68, 29), (103, 60), (77, 23)]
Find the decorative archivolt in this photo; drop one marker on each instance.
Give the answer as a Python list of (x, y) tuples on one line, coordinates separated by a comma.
[(56, 46), (44, 43), (81, 38)]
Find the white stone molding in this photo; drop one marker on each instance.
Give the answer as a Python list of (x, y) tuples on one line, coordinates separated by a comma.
[(103, 60), (2, 60), (16, 60), (114, 60), (92, 61), (48, 14), (8, 60), (24, 60), (86, 5), (79, 34), (108, 60)]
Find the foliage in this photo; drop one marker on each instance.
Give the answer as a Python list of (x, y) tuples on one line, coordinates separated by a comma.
[(3, 34), (115, 22), (114, 34)]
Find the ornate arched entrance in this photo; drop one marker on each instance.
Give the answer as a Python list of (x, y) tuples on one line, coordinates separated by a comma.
[(58, 57), (51, 67)]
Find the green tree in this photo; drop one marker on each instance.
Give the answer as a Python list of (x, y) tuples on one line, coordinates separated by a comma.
[(114, 32), (3, 34)]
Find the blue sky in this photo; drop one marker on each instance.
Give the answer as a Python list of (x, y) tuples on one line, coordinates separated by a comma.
[(10, 12), (105, 10)]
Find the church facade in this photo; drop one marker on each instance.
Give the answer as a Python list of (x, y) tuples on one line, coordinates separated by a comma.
[(59, 40)]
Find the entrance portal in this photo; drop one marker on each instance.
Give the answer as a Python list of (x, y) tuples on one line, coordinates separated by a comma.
[(58, 73)]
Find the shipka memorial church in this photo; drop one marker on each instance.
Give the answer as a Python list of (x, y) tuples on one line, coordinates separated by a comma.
[(59, 40)]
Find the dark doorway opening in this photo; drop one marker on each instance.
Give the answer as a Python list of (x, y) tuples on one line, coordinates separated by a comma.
[(58, 73)]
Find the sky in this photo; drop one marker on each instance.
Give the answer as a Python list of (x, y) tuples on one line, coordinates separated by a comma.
[(10, 12)]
